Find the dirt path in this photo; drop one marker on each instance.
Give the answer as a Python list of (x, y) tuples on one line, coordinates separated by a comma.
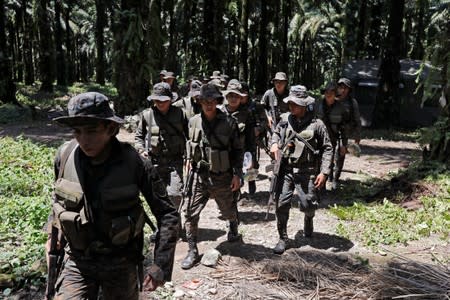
[(378, 158)]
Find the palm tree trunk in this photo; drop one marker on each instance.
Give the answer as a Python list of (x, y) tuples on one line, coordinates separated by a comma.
[(46, 62), (100, 41)]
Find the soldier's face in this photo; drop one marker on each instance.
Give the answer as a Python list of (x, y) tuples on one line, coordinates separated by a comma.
[(280, 86), (162, 106), (330, 96), (343, 91), (296, 110), (234, 100), (208, 105), (94, 137), (169, 80)]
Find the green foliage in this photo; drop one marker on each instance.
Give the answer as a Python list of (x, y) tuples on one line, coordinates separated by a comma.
[(10, 113), (387, 223), (26, 177)]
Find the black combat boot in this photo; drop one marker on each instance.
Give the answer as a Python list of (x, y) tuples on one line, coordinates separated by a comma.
[(251, 187), (233, 234), (192, 257), (280, 247), (308, 226)]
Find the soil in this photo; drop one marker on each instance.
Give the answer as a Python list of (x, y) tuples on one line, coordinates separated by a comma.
[(378, 159)]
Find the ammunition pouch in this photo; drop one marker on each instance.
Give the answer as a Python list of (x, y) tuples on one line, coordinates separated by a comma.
[(219, 160), (155, 144)]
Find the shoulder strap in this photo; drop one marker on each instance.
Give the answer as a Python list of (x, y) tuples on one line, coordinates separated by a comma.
[(65, 156)]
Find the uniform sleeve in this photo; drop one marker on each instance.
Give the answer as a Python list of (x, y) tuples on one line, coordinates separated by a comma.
[(265, 101), (237, 151), (262, 116), (140, 135), (357, 120), (166, 216), (325, 148), (276, 135)]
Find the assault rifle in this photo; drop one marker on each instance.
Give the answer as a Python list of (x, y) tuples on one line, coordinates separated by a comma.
[(55, 259), (274, 191), (187, 187)]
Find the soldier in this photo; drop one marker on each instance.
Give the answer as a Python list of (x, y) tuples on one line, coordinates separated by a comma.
[(306, 152), (190, 103), (332, 113), (352, 123), (272, 99), (170, 78), (234, 96), (258, 121), (161, 137), (215, 154), (98, 211)]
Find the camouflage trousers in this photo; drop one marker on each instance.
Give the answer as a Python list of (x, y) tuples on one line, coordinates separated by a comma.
[(215, 186), (82, 279), (303, 183), (172, 175)]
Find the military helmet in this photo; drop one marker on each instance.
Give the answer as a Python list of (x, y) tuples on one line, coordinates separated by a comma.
[(86, 107)]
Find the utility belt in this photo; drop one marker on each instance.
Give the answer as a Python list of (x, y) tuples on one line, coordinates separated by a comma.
[(122, 217)]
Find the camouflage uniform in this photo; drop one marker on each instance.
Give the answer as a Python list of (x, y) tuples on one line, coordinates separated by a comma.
[(188, 103), (333, 117), (163, 137), (351, 125), (300, 164), (215, 152), (98, 210), (273, 102)]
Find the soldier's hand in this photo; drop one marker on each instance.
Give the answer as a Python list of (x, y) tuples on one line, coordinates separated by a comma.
[(235, 183), (342, 150), (275, 150), (150, 284), (144, 154), (320, 181), (154, 278)]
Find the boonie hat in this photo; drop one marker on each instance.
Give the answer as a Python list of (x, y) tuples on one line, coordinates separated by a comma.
[(85, 106), (161, 91), (280, 76), (345, 81), (215, 75), (330, 86), (210, 90), (168, 75), (163, 72), (195, 88), (234, 86), (217, 82), (298, 94)]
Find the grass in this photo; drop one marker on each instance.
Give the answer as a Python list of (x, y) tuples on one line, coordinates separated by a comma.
[(26, 177), (385, 222)]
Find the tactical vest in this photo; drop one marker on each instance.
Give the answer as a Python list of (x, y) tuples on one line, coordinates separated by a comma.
[(120, 218), (333, 117), (241, 117), (165, 134), (211, 146), (295, 148)]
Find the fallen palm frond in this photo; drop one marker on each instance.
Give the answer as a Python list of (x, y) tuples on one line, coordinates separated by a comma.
[(323, 275)]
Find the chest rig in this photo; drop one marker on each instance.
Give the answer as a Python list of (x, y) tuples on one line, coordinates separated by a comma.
[(209, 143), (118, 218), (165, 135)]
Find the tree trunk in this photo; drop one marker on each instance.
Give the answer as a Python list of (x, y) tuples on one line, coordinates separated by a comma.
[(418, 49), (132, 64), (287, 16), (60, 58), (46, 61), (100, 9), (243, 30), (375, 38), (261, 73), (388, 100), (27, 44), (7, 86), (70, 46), (361, 31), (19, 44)]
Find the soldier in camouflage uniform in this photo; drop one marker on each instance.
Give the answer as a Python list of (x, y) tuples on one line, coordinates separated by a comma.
[(352, 123), (215, 153), (303, 142), (272, 99), (258, 122), (161, 137), (332, 113), (189, 103), (97, 208)]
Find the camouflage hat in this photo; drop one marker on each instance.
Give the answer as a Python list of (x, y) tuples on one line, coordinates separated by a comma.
[(215, 75), (161, 91), (195, 88), (163, 72), (280, 76), (88, 106), (234, 86), (299, 95), (345, 81), (168, 75), (210, 90), (217, 82)]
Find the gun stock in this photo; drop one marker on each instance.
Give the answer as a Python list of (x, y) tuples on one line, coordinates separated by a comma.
[(55, 259)]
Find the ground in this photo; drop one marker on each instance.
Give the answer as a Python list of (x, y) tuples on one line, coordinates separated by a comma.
[(241, 271)]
